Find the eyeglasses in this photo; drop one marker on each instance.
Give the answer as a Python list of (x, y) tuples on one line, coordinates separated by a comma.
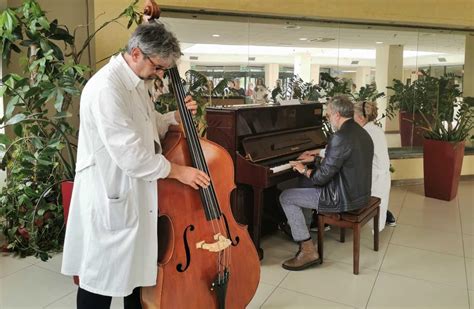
[(157, 66)]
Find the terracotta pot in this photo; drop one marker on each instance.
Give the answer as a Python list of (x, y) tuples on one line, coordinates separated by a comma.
[(442, 163), (411, 133), (66, 192)]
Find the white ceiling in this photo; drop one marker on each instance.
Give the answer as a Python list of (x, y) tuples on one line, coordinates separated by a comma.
[(270, 41)]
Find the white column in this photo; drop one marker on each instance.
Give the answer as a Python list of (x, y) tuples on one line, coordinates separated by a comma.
[(302, 66), (362, 77), (468, 83), (315, 68), (272, 72), (389, 66), (183, 67)]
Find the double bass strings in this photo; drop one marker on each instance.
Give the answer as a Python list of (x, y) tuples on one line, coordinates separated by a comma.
[(209, 194), (198, 157)]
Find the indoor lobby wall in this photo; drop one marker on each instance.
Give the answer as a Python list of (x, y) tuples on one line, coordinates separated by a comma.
[(412, 169), (455, 14), (436, 13)]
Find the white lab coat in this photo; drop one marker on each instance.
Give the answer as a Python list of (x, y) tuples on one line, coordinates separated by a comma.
[(111, 235), (381, 181)]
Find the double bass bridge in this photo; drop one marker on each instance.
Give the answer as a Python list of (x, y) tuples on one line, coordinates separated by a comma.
[(221, 243)]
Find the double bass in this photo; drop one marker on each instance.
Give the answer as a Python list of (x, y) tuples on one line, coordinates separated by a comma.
[(206, 259)]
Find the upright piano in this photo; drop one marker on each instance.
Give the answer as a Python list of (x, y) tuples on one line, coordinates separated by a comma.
[(261, 140)]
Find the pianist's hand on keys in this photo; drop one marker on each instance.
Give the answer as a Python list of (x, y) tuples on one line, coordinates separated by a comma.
[(284, 167)]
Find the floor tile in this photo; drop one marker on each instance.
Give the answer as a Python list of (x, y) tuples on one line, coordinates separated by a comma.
[(279, 241), (466, 207), (426, 265), (42, 287), (271, 271), (470, 273), (283, 298), (263, 292), (468, 245), (395, 202), (393, 291), (384, 236), (333, 281), (53, 264), (428, 239), (471, 299), (343, 252), (430, 213), (10, 264)]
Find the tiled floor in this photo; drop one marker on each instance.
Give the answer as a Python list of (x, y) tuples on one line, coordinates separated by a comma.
[(427, 261)]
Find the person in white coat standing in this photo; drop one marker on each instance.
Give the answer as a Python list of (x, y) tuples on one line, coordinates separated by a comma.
[(111, 236), (365, 113)]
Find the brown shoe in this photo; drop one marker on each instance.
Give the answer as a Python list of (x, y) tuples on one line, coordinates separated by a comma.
[(306, 256)]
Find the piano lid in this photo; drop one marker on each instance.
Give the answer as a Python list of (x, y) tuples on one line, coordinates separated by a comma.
[(256, 119), (268, 146)]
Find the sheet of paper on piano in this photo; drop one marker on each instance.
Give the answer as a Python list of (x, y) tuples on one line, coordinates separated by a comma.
[(290, 102)]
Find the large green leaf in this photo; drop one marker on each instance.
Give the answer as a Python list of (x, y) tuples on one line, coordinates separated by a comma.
[(4, 139), (16, 119)]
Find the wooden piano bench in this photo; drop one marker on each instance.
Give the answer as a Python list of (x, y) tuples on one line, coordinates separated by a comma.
[(355, 220)]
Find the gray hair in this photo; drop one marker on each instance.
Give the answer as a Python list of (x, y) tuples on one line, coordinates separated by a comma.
[(342, 105), (153, 39)]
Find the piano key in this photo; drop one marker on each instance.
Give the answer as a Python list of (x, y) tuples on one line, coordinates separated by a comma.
[(280, 168)]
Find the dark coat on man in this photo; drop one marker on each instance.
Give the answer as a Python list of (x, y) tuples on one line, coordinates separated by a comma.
[(345, 174)]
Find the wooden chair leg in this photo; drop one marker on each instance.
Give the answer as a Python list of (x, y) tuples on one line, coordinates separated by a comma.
[(342, 234), (376, 229), (356, 248), (321, 237)]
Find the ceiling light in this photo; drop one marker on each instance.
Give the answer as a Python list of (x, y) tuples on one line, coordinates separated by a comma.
[(216, 35), (303, 39), (378, 42)]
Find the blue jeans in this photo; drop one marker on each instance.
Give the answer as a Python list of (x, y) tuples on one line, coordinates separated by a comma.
[(293, 201)]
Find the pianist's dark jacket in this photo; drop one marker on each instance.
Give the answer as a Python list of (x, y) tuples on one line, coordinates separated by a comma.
[(345, 174)]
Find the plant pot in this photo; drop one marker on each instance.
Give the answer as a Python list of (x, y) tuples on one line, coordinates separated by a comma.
[(442, 163), (66, 192), (411, 133)]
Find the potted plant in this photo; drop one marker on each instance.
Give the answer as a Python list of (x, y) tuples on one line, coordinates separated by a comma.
[(38, 153), (414, 102), (368, 93), (443, 146)]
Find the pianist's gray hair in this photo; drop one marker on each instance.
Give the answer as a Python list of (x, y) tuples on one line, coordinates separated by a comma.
[(342, 105), (153, 39)]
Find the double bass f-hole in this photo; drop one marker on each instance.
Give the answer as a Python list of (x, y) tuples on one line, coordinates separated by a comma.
[(229, 236), (179, 267)]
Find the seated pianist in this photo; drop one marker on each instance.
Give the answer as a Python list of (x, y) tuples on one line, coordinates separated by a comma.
[(342, 181)]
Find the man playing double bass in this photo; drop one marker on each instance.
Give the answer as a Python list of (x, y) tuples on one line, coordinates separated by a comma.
[(111, 236)]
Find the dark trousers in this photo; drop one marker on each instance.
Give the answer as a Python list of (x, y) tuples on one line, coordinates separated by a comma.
[(88, 300)]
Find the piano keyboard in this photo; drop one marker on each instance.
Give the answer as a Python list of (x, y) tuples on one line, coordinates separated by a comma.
[(280, 168)]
